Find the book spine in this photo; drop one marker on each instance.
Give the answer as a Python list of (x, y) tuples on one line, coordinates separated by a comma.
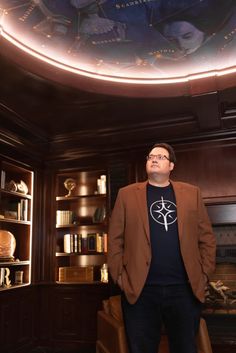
[(25, 210), (75, 248), (3, 179), (105, 242), (67, 248), (84, 243), (99, 242), (79, 243), (18, 211), (71, 242), (92, 242)]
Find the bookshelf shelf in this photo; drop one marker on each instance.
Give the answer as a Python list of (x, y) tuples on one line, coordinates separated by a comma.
[(14, 263), (8, 220), (84, 224), (14, 286), (82, 283), (16, 194), (89, 253), (75, 198)]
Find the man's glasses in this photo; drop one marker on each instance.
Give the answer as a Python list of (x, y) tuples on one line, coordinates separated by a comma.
[(159, 157)]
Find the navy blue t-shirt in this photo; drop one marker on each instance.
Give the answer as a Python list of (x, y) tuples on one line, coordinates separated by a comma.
[(167, 266)]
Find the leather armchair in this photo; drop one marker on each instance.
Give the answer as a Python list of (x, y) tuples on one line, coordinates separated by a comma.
[(111, 336)]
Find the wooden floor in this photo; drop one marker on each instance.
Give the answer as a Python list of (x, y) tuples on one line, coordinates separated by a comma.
[(224, 349), (215, 349)]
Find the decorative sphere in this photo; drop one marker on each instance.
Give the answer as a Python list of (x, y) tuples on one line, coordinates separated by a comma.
[(7, 244)]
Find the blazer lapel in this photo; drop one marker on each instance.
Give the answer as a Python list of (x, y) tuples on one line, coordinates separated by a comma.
[(179, 196), (141, 193)]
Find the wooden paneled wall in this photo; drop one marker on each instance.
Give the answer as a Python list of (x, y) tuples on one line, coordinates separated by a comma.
[(209, 165)]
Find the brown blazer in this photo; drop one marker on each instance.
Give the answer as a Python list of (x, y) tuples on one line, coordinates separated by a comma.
[(129, 248)]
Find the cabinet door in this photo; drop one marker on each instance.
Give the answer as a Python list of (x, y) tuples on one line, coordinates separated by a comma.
[(17, 312), (74, 312)]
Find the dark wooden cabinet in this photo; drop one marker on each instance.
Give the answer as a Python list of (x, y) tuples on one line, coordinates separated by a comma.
[(17, 320), (73, 319), (72, 309)]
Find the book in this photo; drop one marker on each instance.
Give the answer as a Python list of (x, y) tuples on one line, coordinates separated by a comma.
[(75, 243), (105, 242), (3, 179), (79, 243), (99, 243), (67, 243), (23, 209), (84, 243)]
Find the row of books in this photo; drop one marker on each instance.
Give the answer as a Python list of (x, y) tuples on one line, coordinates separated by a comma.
[(83, 243), (66, 217)]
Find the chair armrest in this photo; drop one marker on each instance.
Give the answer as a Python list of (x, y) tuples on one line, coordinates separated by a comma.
[(111, 334), (203, 340), (111, 337)]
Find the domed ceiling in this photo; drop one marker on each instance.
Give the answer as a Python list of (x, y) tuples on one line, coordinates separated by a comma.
[(141, 41)]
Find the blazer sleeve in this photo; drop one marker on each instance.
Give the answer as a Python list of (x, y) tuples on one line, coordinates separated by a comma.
[(207, 241), (116, 238)]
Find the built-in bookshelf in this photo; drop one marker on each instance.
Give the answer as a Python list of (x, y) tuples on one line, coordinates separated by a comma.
[(16, 209), (81, 226)]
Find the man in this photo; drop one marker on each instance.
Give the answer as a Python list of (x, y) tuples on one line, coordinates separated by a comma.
[(161, 252)]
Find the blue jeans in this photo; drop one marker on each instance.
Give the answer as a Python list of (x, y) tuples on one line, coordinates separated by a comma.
[(174, 306)]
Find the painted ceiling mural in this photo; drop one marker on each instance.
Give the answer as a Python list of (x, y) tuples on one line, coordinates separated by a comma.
[(143, 39)]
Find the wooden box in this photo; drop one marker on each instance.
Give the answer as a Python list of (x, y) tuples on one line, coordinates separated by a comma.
[(76, 274)]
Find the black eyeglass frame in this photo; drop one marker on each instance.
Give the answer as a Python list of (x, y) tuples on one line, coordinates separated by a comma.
[(159, 157)]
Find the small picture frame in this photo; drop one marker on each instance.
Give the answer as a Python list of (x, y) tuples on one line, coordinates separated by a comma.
[(91, 241), (99, 215)]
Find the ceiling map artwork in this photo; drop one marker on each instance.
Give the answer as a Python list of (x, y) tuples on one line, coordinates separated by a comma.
[(143, 39)]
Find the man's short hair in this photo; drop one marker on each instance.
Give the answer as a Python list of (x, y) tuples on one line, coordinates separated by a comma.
[(169, 148)]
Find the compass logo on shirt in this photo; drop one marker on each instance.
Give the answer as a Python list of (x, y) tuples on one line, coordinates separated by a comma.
[(163, 212)]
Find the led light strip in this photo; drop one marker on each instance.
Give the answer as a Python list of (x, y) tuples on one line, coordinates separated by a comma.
[(138, 81)]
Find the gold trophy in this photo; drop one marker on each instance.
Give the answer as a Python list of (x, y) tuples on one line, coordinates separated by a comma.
[(70, 184)]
